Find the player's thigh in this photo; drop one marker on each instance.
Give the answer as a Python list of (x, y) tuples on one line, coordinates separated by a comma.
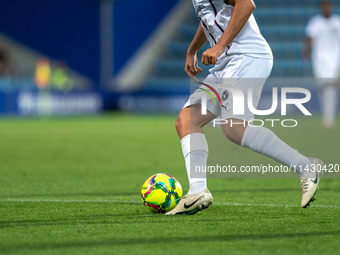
[(191, 116)]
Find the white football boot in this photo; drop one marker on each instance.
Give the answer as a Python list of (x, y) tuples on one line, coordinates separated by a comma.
[(191, 204), (310, 182)]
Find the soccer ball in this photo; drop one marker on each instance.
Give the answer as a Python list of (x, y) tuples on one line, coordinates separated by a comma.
[(161, 192)]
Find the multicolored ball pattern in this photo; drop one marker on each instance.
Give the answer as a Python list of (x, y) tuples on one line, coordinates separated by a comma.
[(161, 193)]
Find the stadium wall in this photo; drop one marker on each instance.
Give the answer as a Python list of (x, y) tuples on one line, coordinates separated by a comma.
[(69, 30)]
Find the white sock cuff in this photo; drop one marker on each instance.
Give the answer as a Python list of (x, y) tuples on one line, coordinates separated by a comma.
[(245, 134), (194, 142), (250, 131)]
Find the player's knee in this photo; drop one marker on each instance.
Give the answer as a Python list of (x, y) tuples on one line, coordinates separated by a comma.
[(233, 134), (228, 132), (178, 124), (182, 123)]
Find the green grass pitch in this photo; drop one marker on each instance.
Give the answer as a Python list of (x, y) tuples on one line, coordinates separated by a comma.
[(72, 186)]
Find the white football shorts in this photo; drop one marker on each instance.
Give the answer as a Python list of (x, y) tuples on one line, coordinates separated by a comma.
[(242, 71)]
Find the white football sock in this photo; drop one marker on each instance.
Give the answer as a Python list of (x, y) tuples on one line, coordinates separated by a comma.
[(195, 152), (264, 141), (329, 104)]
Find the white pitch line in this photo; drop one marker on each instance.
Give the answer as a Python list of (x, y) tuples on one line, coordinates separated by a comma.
[(139, 202), (276, 205), (69, 201)]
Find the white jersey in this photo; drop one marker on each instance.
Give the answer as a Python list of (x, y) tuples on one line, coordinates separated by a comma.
[(325, 34), (215, 15)]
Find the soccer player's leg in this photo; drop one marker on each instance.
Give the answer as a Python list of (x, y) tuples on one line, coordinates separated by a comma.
[(195, 151), (326, 73), (261, 139), (265, 142), (329, 103)]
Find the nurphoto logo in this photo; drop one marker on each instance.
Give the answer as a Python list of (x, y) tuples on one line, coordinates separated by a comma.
[(238, 102)]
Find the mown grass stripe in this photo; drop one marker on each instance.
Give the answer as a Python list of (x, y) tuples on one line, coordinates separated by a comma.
[(139, 202)]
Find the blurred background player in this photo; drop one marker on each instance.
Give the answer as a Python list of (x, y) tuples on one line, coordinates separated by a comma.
[(323, 43)]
